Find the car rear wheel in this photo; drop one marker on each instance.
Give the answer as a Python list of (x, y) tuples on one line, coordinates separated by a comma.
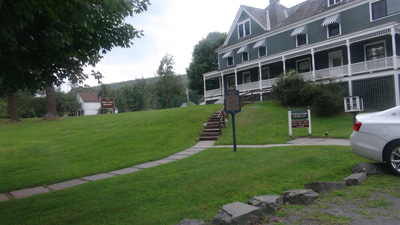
[(392, 158)]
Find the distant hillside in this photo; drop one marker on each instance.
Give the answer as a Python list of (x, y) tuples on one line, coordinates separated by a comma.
[(118, 85)]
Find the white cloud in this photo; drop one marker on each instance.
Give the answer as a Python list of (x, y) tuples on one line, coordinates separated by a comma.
[(174, 27)]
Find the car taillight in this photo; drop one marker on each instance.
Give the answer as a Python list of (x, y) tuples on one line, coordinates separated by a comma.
[(357, 126)]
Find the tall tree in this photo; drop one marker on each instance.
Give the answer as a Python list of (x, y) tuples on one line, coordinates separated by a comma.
[(167, 86), (204, 59), (47, 41)]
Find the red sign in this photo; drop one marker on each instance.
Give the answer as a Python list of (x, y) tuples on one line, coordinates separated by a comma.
[(300, 123), (107, 103)]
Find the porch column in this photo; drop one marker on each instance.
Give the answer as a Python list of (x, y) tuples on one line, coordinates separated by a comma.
[(313, 64), (348, 57), (205, 90), (395, 66), (222, 83), (236, 83), (260, 74), (284, 64)]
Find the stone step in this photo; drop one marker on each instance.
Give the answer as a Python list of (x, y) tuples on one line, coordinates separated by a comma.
[(203, 134), (211, 130), (210, 138)]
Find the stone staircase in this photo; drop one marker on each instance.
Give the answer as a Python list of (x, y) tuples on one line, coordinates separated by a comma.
[(213, 127)]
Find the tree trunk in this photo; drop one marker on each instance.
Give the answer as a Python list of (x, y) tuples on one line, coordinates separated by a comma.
[(51, 102), (12, 107)]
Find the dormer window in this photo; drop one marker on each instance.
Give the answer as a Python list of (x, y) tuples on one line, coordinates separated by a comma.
[(301, 35), (332, 2), (244, 29)]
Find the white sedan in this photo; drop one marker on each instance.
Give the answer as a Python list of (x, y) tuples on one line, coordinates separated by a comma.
[(376, 136)]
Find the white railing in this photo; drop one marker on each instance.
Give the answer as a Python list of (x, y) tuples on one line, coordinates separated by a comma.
[(268, 83), (339, 71), (248, 86), (372, 65), (307, 76), (214, 92), (398, 61)]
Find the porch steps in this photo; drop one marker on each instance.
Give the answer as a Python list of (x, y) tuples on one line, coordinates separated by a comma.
[(213, 128)]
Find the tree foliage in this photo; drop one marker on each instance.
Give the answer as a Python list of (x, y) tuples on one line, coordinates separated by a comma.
[(168, 86), (204, 59), (47, 41), (325, 97)]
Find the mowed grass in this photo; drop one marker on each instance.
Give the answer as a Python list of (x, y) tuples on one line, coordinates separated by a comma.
[(267, 123), (195, 187), (36, 152)]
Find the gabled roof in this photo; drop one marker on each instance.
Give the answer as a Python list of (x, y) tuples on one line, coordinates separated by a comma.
[(277, 16), (89, 96)]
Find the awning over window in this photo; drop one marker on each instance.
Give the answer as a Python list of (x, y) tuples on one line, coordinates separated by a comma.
[(299, 30), (259, 44), (243, 49), (331, 20), (228, 54)]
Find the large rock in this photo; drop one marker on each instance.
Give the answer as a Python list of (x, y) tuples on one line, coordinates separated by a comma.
[(267, 203), (325, 187), (355, 179), (237, 213), (191, 222), (300, 197), (369, 168)]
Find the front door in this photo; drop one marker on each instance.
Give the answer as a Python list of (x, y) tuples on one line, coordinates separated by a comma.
[(231, 82)]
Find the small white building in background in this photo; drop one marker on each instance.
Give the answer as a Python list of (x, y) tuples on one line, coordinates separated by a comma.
[(90, 103)]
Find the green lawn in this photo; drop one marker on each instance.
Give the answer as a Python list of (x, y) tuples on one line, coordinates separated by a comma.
[(267, 123), (195, 187), (36, 152)]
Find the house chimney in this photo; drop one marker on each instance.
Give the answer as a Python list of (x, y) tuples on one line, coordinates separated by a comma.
[(272, 1)]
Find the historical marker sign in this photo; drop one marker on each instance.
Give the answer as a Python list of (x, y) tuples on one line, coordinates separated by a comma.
[(107, 103), (232, 101)]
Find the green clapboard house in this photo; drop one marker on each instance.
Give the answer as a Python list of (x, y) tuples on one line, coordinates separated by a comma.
[(356, 42)]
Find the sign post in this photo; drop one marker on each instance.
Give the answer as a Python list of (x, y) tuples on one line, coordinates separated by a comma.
[(232, 106)]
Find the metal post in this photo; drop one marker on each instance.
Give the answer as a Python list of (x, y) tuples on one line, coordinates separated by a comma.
[(234, 132), (290, 121)]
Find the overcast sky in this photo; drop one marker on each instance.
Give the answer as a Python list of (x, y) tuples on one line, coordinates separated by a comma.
[(174, 27)]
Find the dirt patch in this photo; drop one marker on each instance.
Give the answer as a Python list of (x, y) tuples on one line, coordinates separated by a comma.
[(378, 208)]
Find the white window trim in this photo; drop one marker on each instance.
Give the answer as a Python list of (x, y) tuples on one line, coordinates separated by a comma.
[(371, 19), (244, 28), (336, 2), (374, 43), (297, 40), (331, 55), (340, 31), (303, 59), (266, 51), (227, 61), (246, 73), (269, 74)]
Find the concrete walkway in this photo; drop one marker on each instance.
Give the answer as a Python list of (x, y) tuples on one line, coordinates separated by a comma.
[(201, 146)]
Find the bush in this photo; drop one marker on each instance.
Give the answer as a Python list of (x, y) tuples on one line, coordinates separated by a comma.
[(325, 98)]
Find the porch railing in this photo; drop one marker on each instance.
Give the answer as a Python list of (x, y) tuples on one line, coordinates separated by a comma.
[(268, 83), (307, 76), (248, 86), (214, 92), (398, 61), (372, 65), (339, 71)]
